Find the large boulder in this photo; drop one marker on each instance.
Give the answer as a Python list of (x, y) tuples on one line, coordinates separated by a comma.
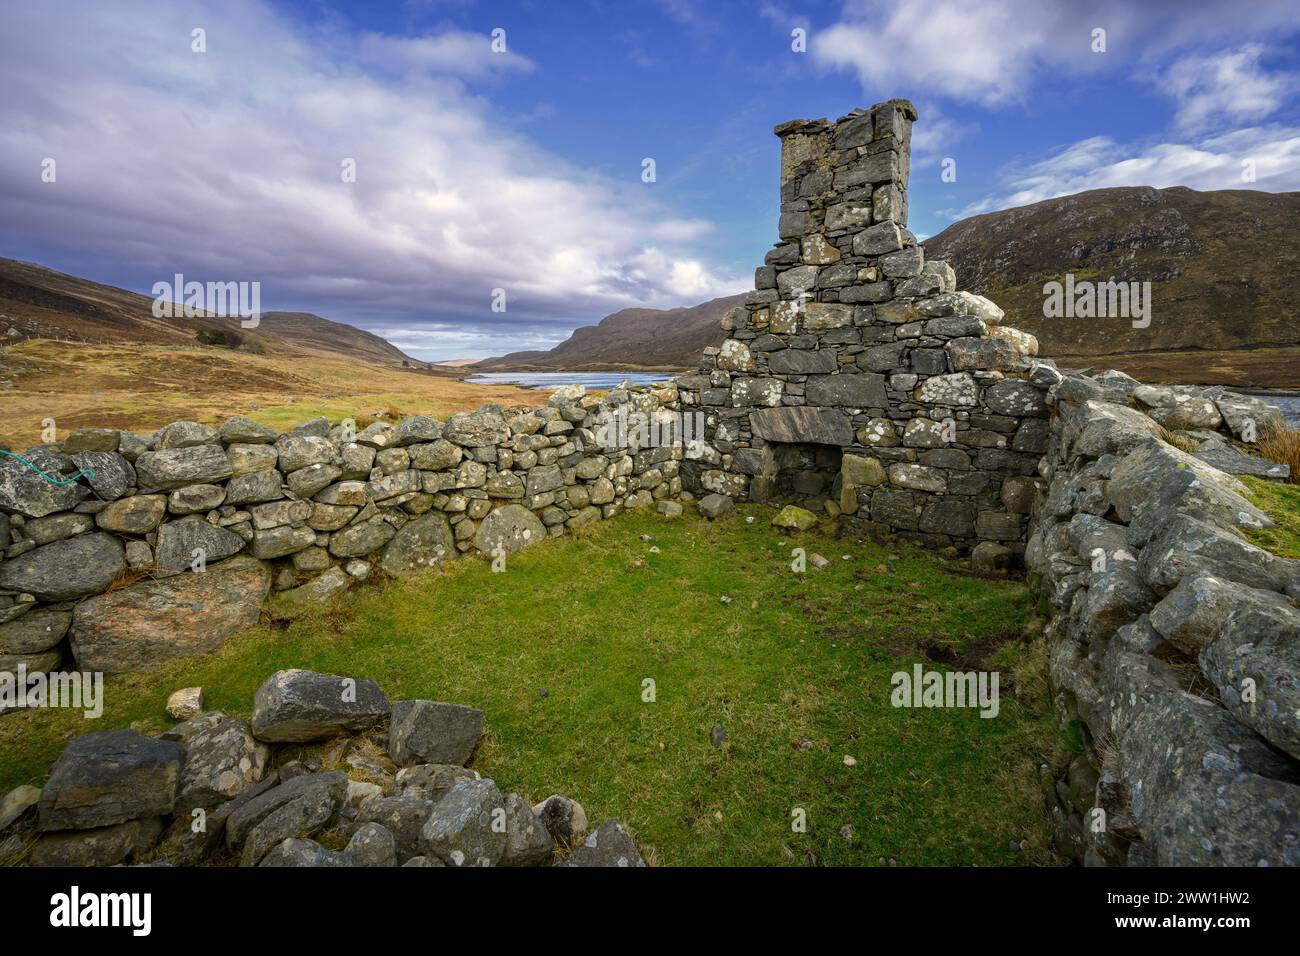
[(418, 428), (181, 542), (240, 430), (104, 846), (177, 467), (91, 439), (360, 539), (108, 473), (512, 527), (1188, 546), (1110, 429), (138, 514), (34, 632), (1204, 790), (110, 777), (66, 570), (141, 626), (299, 706), (185, 434), (528, 842), (403, 815), (295, 852), (220, 762), (1156, 481), (431, 732), (476, 429), (299, 451), (1255, 664), (466, 827), (421, 543), (609, 845), (1192, 614), (372, 845), (24, 490)]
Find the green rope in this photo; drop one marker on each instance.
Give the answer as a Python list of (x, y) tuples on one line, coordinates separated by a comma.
[(88, 472)]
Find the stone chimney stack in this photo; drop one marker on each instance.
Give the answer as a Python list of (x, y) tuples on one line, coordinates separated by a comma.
[(856, 379), (848, 174)]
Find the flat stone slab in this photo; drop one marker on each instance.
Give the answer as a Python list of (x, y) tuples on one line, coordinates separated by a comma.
[(66, 570), (802, 423)]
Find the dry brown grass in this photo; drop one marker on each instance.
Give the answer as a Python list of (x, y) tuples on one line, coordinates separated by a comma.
[(1282, 445), (1181, 442), (142, 387)]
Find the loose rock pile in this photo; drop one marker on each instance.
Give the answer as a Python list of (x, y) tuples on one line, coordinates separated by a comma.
[(306, 513), (203, 788), (1174, 642)]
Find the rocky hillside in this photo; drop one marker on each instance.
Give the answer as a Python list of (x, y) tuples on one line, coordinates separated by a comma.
[(651, 339), (1220, 266), (39, 303)]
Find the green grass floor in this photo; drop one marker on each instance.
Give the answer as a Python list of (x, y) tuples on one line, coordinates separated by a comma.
[(795, 668), (1281, 502)]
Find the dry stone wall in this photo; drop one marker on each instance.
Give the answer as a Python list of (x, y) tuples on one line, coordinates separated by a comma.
[(856, 377), (1174, 642), (126, 550)]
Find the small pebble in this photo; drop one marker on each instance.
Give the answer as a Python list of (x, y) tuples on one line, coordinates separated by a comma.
[(725, 599), (717, 735), (850, 761)]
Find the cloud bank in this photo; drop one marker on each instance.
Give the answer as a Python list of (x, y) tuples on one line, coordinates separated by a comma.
[(230, 164)]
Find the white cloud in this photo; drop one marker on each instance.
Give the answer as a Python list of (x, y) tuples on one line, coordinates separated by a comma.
[(935, 138), (226, 165), (454, 51), (1232, 86), (980, 50), (1273, 153), (990, 51)]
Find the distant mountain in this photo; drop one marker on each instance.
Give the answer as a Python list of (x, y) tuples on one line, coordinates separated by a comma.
[(36, 302), (1222, 269), (632, 339)]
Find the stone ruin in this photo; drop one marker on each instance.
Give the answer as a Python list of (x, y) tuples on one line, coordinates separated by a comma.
[(856, 379)]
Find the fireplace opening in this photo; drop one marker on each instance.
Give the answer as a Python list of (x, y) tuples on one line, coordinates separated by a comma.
[(802, 473)]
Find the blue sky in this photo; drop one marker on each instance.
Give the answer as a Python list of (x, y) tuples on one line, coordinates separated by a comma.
[(522, 170)]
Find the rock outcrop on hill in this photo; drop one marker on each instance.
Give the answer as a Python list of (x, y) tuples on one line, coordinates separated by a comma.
[(1219, 263)]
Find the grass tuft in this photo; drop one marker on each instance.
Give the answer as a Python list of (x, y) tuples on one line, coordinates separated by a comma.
[(1282, 445)]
